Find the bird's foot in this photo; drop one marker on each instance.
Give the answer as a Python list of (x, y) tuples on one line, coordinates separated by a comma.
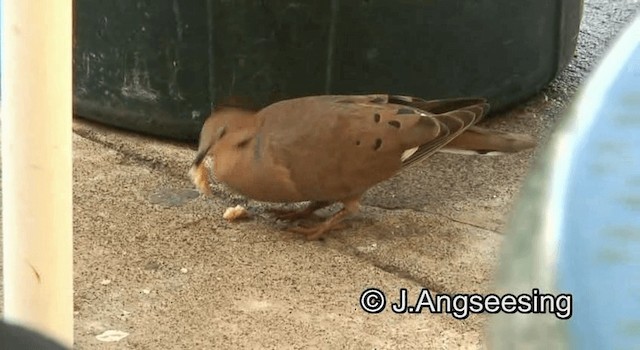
[(333, 223), (291, 215), (315, 232)]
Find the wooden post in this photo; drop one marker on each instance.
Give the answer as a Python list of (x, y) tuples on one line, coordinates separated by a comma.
[(37, 166)]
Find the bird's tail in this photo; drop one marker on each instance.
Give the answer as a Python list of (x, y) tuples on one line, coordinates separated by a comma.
[(477, 140)]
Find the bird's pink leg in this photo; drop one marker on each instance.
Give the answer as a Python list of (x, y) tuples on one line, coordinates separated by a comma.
[(292, 215), (315, 232)]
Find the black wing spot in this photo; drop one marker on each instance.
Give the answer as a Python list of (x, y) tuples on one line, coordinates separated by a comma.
[(376, 117), (394, 123), (377, 100), (377, 145), (357, 142), (404, 110)]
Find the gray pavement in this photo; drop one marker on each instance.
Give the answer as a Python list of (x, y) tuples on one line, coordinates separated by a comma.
[(157, 261)]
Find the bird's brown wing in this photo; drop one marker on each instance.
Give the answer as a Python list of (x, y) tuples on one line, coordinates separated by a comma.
[(339, 146), (455, 114)]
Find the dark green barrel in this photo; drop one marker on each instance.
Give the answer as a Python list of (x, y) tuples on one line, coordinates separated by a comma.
[(159, 66)]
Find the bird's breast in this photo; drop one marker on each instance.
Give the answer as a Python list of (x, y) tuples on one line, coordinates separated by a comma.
[(253, 173)]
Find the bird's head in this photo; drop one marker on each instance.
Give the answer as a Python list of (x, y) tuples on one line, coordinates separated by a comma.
[(226, 123)]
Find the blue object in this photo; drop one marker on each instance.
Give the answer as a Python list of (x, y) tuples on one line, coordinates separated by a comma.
[(599, 255), (576, 228)]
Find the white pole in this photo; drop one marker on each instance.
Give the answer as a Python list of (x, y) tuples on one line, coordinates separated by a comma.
[(37, 165)]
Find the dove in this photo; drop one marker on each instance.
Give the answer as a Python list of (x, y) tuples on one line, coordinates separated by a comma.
[(330, 149)]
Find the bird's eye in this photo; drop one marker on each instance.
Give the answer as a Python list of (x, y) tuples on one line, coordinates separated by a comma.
[(244, 142)]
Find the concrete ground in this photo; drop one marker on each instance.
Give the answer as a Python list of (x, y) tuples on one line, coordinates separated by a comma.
[(157, 261)]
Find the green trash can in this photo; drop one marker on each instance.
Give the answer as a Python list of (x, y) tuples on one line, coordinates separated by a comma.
[(158, 67)]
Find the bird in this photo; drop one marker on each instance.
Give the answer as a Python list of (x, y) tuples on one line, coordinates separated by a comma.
[(327, 149)]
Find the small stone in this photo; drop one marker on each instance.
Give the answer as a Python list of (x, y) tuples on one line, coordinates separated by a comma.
[(184, 270), (111, 336), (105, 282)]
